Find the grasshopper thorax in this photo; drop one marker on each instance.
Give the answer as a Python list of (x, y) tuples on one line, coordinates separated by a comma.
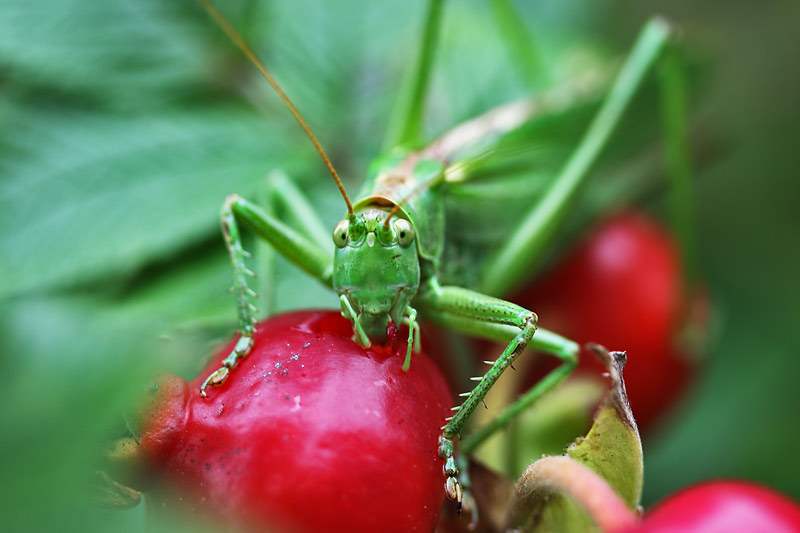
[(376, 268)]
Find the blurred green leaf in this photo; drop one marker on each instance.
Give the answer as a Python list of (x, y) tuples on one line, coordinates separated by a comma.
[(102, 194), (116, 52), (70, 372)]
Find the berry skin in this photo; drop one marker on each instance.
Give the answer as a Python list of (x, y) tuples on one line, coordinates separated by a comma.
[(723, 507), (310, 432)]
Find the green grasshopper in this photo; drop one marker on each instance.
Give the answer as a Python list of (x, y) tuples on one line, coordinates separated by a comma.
[(390, 248)]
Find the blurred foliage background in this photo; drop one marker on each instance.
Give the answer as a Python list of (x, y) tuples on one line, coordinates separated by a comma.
[(123, 126)]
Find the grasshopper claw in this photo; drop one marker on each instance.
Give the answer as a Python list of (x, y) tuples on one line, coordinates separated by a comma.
[(243, 347), (452, 487), (454, 491), (217, 378)]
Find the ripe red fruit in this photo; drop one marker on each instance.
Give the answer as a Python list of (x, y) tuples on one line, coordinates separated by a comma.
[(723, 506), (311, 432), (622, 288)]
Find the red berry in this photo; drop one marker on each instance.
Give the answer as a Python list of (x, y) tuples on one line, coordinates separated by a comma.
[(310, 432), (622, 288), (722, 507)]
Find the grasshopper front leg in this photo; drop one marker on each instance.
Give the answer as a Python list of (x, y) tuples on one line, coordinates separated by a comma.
[(410, 320), (302, 251), (486, 316), (245, 308)]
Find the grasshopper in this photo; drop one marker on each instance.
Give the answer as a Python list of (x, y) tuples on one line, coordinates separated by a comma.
[(391, 246)]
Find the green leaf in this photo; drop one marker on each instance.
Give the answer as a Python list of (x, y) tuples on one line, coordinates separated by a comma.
[(71, 368), (599, 480), (116, 51), (90, 194), (613, 448)]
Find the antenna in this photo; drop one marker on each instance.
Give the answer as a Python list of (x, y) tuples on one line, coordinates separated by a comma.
[(395, 210), (237, 39), (421, 186)]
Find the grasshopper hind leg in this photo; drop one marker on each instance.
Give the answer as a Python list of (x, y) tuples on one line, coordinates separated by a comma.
[(492, 318)]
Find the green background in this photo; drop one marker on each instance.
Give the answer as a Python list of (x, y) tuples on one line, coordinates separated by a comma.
[(123, 126), (741, 419)]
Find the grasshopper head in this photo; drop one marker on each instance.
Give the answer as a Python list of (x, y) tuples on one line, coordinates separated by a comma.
[(376, 267)]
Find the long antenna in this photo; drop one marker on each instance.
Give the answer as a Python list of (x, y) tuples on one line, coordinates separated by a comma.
[(237, 39), (421, 186)]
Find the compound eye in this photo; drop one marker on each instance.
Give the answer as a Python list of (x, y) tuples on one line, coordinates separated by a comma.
[(340, 234), (404, 231)]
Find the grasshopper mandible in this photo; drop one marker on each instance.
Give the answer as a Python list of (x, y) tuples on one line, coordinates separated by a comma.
[(389, 248)]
